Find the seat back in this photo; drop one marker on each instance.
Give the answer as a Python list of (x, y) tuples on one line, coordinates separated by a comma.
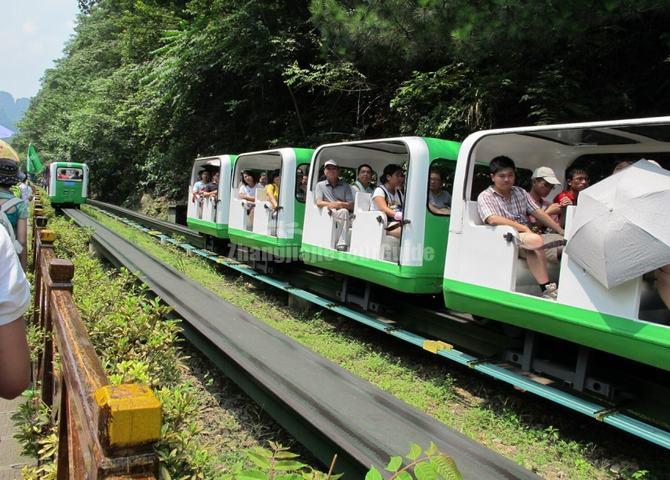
[(473, 213), (263, 220), (362, 202)]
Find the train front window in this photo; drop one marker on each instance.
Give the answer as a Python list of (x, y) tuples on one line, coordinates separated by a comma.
[(70, 174)]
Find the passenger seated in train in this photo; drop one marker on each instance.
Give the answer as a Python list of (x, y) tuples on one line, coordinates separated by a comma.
[(363, 180), (248, 187), (503, 203), (334, 194), (388, 198), (247, 192), (577, 180), (211, 190), (543, 181), (199, 186), (301, 185), (272, 189), (439, 200), (62, 174), (263, 179)]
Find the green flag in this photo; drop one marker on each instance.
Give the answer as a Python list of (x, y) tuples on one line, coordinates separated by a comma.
[(34, 162)]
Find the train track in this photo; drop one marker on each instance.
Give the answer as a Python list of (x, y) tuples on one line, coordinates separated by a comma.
[(461, 334), (178, 231), (326, 408)]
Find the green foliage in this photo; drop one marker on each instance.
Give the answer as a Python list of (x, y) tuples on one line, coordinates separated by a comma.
[(433, 465), (277, 463), (46, 469), (33, 420), (145, 86), (444, 103)]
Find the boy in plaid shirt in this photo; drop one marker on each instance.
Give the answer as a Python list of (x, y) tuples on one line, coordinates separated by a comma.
[(503, 203)]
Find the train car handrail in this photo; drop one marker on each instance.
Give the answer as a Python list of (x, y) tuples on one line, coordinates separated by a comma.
[(105, 431)]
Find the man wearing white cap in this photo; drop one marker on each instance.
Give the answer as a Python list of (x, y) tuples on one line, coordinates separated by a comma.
[(336, 195), (544, 180)]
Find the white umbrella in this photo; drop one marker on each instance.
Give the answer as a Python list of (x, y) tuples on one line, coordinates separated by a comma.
[(622, 225)]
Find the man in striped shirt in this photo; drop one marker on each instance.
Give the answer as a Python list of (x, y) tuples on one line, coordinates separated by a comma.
[(503, 203)]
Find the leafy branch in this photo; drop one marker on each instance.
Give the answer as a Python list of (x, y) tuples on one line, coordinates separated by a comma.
[(433, 465)]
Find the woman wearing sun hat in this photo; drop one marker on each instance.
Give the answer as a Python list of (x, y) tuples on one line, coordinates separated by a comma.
[(17, 212)]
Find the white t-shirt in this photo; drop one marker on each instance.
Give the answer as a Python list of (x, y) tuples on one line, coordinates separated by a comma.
[(26, 192), (394, 201), (14, 288), (247, 190)]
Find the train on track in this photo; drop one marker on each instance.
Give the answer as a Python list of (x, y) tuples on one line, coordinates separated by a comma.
[(453, 276), (612, 342), (67, 183)]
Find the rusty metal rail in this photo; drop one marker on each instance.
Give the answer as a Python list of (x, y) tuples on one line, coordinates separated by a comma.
[(105, 431)]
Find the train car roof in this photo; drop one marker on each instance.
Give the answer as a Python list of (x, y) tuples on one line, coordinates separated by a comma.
[(534, 146)]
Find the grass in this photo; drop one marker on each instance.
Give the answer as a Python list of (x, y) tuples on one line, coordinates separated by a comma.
[(208, 423), (555, 444)]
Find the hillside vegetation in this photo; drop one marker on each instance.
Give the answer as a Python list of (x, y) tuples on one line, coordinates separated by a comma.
[(146, 85)]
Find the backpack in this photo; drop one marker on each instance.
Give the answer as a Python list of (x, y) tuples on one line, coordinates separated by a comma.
[(389, 197), (4, 220)]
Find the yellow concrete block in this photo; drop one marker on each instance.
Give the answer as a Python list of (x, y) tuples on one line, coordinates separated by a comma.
[(133, 414), (434, 346), (48, 236)]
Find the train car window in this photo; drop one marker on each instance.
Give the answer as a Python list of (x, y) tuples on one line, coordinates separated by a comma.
[(481, 179), (301, 176), (440, 186)]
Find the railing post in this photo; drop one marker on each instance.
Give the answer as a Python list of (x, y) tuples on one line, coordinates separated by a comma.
[(39, 224), (105, 431), (57, 277)]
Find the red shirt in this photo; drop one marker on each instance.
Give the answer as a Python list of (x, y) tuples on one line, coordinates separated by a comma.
[(564, 194)]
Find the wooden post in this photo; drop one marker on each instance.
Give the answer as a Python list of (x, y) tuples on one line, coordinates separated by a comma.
[(39, 224), (105, 431), (47, 238)]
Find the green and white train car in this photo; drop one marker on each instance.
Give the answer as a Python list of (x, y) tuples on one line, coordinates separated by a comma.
[(210, 215), (68, 183), (277, 232), (412, 264), (483, 274)]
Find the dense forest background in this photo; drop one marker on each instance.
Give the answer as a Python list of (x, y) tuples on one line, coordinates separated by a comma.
[(147, 85)]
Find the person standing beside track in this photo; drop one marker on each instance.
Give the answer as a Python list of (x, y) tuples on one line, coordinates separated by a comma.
[(15, 211), (14, 301)]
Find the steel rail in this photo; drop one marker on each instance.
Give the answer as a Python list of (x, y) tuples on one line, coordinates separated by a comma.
[(325, 407), (600, 412), (190, 237)]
